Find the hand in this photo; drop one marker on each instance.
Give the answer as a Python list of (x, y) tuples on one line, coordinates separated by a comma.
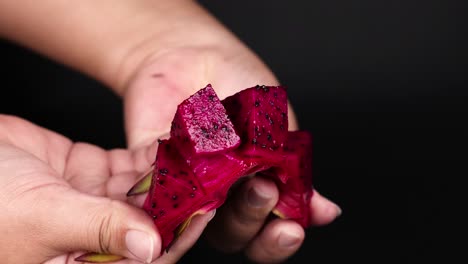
[(151, 98), (155, 54), (59, 199)]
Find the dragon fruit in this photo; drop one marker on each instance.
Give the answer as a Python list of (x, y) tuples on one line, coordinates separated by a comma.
[(260, 117), (204, 135), (295, 192), (201, 126), (213, 143)]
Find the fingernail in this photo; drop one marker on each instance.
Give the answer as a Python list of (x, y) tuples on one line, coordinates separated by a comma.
[(287, 240), (213, 213), (140, 245), (256, 198), (338, 210)]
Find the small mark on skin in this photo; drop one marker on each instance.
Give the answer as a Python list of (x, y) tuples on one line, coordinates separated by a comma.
[(157, 75)]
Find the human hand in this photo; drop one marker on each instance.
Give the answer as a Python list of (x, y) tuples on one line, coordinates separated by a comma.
[(151, 98), (59, 199), (155, 54)]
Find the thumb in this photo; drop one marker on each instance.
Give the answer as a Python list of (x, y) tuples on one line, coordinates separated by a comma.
[(74, 221)]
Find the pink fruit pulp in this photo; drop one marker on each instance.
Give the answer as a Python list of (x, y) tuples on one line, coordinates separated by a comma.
[(205, 156)]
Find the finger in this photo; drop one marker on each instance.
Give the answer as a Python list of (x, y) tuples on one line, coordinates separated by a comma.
[(277, 241), (127, 168), (71, 221), (243, 215), (144, 156), (187, 239), (322, 210)]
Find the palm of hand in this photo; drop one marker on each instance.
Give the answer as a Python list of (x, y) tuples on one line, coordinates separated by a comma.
[(50, 171)]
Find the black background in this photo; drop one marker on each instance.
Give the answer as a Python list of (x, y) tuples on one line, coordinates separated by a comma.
[(380, 84)]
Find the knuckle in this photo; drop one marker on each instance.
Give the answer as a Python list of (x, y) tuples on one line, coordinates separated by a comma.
[(106, 227), (105, 232), (247, 216)]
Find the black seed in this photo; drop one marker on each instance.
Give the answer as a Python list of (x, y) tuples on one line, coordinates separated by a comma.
[(211, 97), (183, 172), (259, 134), (175, 205), (174, 197), (224, 128), (283, 114), (192, 195), (263, 146), (265, 89), (215, 126), (256, 128), (257, 86), (163, 171), (272, 103), (161, 182), (162, 212), (269, 137), (153, 205), (257, 103), (269, 119), (160, 141), (254, 141), (155, 217), (194, 188), (281, 127), (275, 94)]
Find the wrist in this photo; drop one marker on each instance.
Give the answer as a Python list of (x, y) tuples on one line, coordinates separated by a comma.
[(184, 24)]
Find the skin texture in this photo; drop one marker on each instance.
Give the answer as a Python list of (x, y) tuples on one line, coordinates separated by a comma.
[(60, 198)]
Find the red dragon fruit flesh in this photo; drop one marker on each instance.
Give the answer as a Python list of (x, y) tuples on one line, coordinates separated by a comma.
[(260, 117), (175, 194), (204, 136), (201, 126), (296, 192), (212, 144)]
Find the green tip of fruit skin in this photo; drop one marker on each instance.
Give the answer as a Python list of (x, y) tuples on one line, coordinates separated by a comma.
[(98, 258), (143, 185)]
